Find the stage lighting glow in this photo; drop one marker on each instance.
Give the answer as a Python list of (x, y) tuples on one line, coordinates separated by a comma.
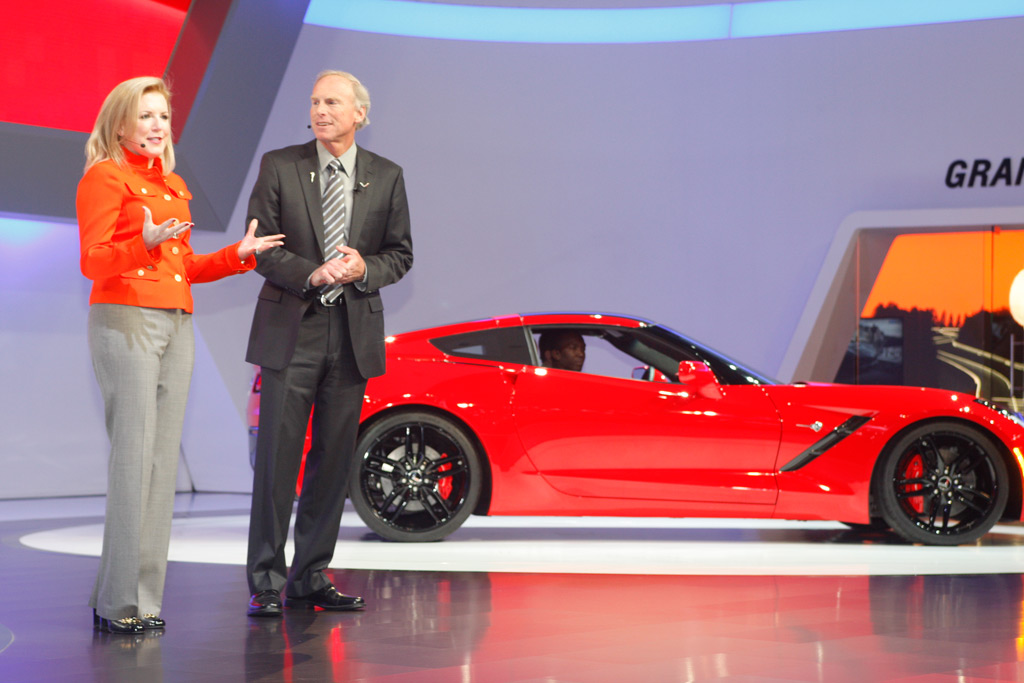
[(787, 17), (523, 25), (646, 25), (17, 231)]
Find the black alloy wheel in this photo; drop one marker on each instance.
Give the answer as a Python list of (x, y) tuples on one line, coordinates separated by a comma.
[(418, 477), (942, 484)]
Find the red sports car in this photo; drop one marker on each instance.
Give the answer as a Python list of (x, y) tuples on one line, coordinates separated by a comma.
[(469, 420)]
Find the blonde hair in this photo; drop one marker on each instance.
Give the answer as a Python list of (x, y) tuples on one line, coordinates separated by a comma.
[(361, 93), (119, 112)]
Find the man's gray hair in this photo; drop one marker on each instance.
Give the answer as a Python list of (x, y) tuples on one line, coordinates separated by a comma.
[(362, 94)]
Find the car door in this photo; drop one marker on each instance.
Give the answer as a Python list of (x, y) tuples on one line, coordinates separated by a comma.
[(613, 437)]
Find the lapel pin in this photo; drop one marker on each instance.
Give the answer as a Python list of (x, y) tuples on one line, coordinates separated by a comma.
[(312, 176), (364, 185)]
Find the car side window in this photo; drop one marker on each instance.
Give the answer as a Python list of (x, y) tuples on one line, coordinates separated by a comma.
[(645, 353), (604, 359), (609, 352), (502, 345)]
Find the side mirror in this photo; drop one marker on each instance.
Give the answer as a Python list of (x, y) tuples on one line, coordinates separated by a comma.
[(698, 378), (650, 373)]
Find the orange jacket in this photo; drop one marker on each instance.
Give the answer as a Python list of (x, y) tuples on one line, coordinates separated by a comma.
[(109, 203)]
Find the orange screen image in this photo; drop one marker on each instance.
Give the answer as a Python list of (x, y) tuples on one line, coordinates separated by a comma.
[(954, 274)]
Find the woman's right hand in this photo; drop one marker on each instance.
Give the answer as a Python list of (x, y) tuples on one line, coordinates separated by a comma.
[(154, 235)]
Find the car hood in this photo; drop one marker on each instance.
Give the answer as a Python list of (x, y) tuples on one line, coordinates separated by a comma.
[(892, 404)]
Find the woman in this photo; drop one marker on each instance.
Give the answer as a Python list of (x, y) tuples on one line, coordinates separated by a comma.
[(134, 225)]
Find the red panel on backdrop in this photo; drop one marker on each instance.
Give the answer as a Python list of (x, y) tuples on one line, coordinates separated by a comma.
[(61, 59)]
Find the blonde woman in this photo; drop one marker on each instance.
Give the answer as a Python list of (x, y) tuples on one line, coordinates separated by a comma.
[(134, 223)]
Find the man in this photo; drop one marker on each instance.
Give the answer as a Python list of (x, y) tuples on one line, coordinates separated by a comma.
[(562, 349), (318, 333)]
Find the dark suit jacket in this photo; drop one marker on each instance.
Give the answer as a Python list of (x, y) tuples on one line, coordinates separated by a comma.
[(286, 199)]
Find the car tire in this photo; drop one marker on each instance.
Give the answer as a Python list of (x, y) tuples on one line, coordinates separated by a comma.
[(418, 477), (942, 484)]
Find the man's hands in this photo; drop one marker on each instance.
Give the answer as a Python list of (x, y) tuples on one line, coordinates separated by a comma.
[(340, 270)]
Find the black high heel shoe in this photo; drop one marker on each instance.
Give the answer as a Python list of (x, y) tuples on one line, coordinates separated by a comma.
[(128, 625)]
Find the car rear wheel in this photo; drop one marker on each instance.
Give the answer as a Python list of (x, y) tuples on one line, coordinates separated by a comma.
[(942, 484), (418, 477)]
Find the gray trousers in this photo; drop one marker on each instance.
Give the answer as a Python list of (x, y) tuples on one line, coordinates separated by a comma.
[(143, 362)]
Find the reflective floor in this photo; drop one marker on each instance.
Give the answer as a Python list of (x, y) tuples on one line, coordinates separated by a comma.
[(558, 622)]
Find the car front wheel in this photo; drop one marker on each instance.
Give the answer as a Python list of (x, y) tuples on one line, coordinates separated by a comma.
[(942, 484), (418, 477)]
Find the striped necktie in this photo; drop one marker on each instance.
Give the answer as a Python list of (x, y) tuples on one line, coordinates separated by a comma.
[(334, 222)]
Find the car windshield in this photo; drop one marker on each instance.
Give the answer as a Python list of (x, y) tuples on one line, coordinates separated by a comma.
[(727, 370)]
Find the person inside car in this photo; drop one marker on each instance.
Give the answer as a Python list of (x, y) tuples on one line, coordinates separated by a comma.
[(562, 350)]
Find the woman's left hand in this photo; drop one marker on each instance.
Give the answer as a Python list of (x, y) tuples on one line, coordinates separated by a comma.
[(251, 244), (154, 235)]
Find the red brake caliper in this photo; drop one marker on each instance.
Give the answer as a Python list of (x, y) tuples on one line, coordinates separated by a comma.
[(915, 469), (444, 485)]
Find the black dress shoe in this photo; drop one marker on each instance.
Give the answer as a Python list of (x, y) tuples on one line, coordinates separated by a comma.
[(265, 604), (128, 625), (151, 621), (327, 597)]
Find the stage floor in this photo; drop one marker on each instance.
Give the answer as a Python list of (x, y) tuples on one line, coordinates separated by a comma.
[(528, 599)]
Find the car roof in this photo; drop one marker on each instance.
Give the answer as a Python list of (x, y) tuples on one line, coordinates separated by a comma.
[(527, 319), (416, 343)]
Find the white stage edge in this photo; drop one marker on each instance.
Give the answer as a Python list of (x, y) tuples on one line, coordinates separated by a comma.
[(577, 545)]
